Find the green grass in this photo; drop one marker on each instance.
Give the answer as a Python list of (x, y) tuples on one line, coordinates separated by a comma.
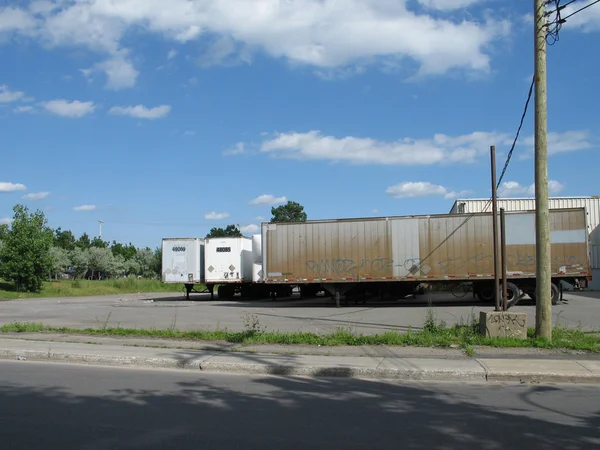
[(463, 336), (75, 288)]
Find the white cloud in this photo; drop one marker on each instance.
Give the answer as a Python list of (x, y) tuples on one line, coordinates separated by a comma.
[(448, 5), (560, 142), (65, 108), (260, 218), (439, 149), (172, 54), (515, 189), (225, 51), (322, 34), (14, 19), (141, 112), (6, 186), (416, 189), (216, 216), (24, 109), (408, 151), (587, 21), (8, 96), (250, 229), (237, 149), (6, 221), (36, 196), (268, 199), (120, 73), (85, 208), (189, 133)]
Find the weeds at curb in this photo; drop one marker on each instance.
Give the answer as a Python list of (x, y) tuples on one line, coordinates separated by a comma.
[(435, 333)]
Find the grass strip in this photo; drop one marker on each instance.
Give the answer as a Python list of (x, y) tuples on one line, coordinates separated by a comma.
[(463, 336), (84, 288)]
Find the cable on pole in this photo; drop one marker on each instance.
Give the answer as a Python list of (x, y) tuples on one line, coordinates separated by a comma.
[(508, 159)]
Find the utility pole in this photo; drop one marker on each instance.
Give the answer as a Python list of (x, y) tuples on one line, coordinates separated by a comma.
[(543, 307), (101, 222), (495, 228)]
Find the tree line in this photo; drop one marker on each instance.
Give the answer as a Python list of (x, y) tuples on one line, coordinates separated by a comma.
[(32, 252), (290, 212)]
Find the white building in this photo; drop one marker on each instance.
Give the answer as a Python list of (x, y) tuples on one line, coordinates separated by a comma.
[(592, 205)]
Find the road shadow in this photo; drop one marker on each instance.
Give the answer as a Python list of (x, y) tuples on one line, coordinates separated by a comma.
[(147, 411)]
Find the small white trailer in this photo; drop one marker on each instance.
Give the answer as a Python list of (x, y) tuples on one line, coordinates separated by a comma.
[(228, 263), (183, 262)]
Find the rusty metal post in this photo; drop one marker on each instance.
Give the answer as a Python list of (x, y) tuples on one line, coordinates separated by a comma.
[(495, 228), (503, 260)]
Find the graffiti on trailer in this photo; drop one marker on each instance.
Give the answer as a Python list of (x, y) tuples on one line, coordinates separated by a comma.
[(479, 261), (567, 261), (345, 266), (520, 260), (526, 260)]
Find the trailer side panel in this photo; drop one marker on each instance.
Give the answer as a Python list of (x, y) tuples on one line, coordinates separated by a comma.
[(418, 248)]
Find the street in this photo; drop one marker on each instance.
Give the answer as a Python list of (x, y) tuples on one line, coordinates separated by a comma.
[(56, 406), (317, 315)]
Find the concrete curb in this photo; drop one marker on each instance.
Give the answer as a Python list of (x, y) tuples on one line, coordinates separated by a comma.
[(124, 361), (392, 370), (211, 363), (539, 377)]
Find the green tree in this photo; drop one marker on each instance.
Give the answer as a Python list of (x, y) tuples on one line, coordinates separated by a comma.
[(290, 212), (64, 239), (126, 251), (3, 231), (156, 265), (103, 264), (25, 253), (229, 231), (80, 258), (145, 261), (84, 241), (61, 260), (99, 243)]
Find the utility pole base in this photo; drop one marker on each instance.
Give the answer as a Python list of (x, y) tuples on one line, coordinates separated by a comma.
[(503, 324)]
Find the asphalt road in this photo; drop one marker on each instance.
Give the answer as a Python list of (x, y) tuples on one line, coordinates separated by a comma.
[(52, 406), (316, 315)]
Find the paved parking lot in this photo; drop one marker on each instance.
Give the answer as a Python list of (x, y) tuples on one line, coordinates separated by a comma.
[(315, 315)]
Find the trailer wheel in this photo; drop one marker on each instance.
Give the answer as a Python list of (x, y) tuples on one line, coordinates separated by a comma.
[(225, 291), (513, 293), (555, 294), (486, 293), (309, 291)]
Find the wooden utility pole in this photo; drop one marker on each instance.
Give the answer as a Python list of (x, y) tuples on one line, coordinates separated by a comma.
[(543, 307), (495, 229)]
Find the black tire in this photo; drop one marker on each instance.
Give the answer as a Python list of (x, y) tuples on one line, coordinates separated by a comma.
[(513, 293), (460, 290), (486, 294), (225, 291), (555, 294), (309, 291)]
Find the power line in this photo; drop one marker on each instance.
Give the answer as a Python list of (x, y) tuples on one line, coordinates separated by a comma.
[(508, 159), (555, 25), (518, 132), (579, 10)]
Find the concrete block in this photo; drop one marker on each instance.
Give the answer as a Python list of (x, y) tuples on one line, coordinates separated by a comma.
[(503, 324)]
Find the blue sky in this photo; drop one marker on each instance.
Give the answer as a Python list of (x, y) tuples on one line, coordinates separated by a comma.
[(165, 121)]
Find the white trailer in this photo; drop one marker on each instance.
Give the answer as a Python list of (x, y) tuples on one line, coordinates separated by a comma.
[(228, 263), (183, 262)]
